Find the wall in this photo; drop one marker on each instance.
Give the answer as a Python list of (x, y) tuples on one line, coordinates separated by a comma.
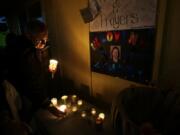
[(170, 61), (69, 38), (70, 45)]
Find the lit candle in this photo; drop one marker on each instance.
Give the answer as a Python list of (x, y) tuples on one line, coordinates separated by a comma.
[(83, 114), (54, 101), (62, 108), (93, 111), (74, 108), (74, 98), (64, 98), (52, 66), (79, 102), (99, 121), (101, 116)]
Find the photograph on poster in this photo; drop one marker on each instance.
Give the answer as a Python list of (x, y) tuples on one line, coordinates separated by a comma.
[(127, 54)]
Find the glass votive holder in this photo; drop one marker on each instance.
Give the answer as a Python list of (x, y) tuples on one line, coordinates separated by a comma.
[(83, 114), (69, 104), (54, 101), (62, 108), (52, 65), (102, 116), (74, 98), (64, 99), (74, 108), (79, 102), (93, 111)]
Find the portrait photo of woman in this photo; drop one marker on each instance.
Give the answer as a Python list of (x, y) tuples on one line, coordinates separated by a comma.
[(115, 53), (115, 66)]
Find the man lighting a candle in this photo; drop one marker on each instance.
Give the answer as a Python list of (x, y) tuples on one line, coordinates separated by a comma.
[(30, 75)]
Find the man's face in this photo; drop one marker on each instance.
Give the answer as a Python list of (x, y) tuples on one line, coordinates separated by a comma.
[(40, 41)]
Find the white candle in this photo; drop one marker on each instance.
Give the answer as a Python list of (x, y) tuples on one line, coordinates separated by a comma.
[(83, 114), (102, 116), (64, 98), (93, 111), (74, 98), (62, 108), (53, 65), (54, 101), (74, 108), (79, 102)]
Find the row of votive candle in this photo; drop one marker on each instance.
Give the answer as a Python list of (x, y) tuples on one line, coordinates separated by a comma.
[(63, 107), (64, 98), (93, 112), (99, 120), (73, 99)]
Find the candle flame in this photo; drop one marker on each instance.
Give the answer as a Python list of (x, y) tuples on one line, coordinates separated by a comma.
[(79, 102), (62, 108), (54, 101), (93, 111), (53, 65), (83, 114), (102, 116), (64, 97)]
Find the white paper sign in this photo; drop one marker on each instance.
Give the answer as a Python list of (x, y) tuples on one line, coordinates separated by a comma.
[(124, 14)]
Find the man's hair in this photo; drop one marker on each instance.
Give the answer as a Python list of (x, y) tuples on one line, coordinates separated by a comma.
[(35, 27)]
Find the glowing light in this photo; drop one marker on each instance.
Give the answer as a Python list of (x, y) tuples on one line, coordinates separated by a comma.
[(74, 97), (102, 116), (53, 65), (64, 97), (54, 101), (79, 102), (93, 111), (74, 108), (62, 108), (83, 114)]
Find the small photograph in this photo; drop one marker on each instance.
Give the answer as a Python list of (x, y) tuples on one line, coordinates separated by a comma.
[(115, 62), (115, 53)]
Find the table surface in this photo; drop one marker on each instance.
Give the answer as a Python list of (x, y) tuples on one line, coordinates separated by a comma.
[(74, 124)]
